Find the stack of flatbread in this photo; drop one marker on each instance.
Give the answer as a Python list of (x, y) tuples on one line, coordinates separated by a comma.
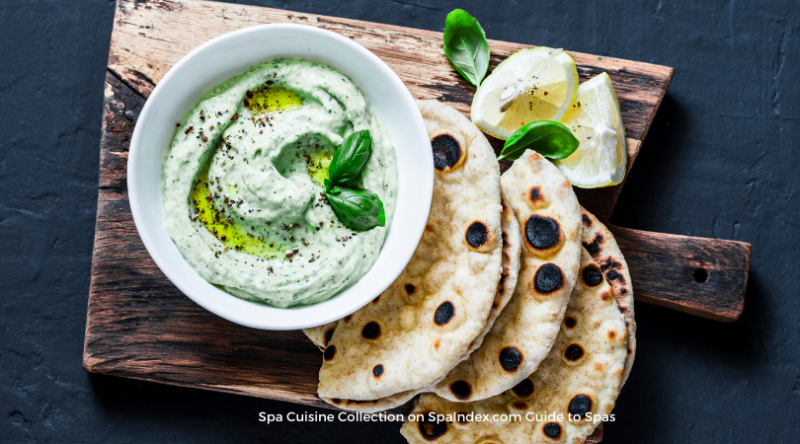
[(517, 302)]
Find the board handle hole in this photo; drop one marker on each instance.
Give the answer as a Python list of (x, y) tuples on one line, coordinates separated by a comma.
[(700, 275)]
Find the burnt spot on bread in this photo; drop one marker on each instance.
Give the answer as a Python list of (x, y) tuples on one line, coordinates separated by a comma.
[(542, 233), (592, 276), (570, 322), (329, 336), (524, 389), (444, 313), (446, 152), (461, 390), (348, 318), (573, 353), (330, 353), (519, 405), (580, 405), (593, 247), (612, 269), (462, 418), (552, 430), (477, 234), (377, 370), (410, 289), (586, 221), (501, 285), (614, 275), (430, 430), (609, 263), (535, 195), (510, 359), (371, 331), (548, 279)]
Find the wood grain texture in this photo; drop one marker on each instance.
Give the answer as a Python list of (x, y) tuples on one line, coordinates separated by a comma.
[(140, 326), (150, 37), (703, 277)]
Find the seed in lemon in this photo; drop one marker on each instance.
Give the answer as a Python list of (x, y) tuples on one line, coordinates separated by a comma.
[(596, 121), (532, 84)]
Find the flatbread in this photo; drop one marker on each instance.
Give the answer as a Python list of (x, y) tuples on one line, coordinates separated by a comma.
[(321, 335), (600, 243), (523, 334), (512, 249), (417, 330), (512, 243), (581, 374)]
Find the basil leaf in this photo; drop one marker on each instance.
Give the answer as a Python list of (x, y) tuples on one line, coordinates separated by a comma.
[(350, 158), (330, 188), (359, 210), (465, 46), (546, 137)]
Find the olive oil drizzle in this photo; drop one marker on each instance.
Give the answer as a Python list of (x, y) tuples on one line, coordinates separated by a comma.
[(269, 99), (317, 164), (231, 233)]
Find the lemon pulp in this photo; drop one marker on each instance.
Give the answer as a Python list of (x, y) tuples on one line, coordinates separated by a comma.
[(596, 121), (532, 84)]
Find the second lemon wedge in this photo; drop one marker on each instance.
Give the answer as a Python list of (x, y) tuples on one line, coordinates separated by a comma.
[(595, 119)]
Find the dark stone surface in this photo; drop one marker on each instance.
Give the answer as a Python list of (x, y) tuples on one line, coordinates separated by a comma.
[(720, 161)]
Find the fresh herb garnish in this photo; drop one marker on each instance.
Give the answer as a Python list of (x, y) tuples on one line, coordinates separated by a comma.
[(465, 46), (546, 137), (360, 210), (348, 161)]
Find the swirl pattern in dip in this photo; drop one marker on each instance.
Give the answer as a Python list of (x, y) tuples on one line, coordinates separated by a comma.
[(242, 183)]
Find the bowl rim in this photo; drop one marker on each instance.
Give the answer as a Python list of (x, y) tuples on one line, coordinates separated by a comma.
[(281, 318)]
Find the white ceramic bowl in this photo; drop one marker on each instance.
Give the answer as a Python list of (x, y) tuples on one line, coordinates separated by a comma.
[(231, 54)]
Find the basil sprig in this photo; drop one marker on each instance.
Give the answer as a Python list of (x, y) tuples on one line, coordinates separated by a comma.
[(546, 137), (465, 46), (348, 161), (359, 210)]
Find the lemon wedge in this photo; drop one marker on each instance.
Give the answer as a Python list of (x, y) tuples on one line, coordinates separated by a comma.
[(595, 120), (533, 84)]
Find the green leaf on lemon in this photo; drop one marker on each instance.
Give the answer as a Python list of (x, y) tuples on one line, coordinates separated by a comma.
[(546, 137)]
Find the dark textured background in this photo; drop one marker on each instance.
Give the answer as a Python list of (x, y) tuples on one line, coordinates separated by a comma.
[(720, 161)]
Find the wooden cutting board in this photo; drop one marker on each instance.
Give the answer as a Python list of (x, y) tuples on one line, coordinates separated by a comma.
[(141, 326)]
